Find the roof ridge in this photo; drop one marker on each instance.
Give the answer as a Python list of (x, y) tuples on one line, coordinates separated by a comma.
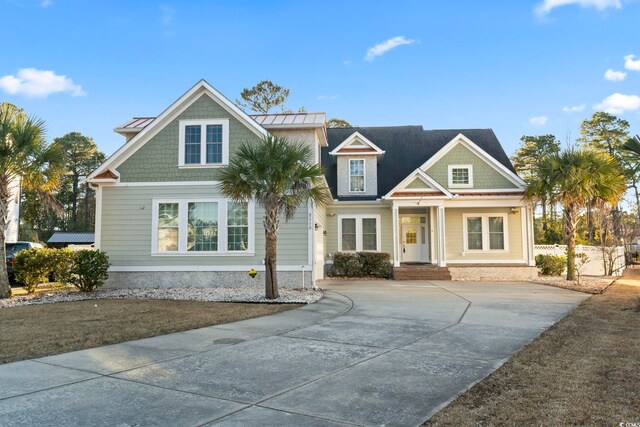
[(286, 114)]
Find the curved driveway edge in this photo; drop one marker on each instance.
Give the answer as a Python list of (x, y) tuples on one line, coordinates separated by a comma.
[(369, 353)]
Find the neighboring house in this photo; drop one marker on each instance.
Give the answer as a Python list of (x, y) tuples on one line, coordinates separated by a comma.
[(13, 219), (443, 203), (73, 240)]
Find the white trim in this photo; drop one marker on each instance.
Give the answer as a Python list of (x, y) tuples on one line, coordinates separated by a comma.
[(484, 218), (396, 240), (433, 240), (486, 202), (359, 238), (424, 257), (409, 179), (469, 169), (487, 190), (163, 184), (177, 107), (440, 231), (461, 139), (98, 220), (364, 175), (203, 123), (356, 136), (183, 228), (211, 268), (488, 261)]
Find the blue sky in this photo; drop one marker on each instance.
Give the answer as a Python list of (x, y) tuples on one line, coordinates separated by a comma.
[(513, 66)]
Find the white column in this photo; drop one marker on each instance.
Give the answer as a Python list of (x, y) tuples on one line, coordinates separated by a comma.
[(396, 259), (530, 237), (442, 261)]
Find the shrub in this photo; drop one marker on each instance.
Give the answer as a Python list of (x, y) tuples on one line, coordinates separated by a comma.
[(551, 265), (376, 264), (32, 266), (361, 264), (61, 263), (89, 270)]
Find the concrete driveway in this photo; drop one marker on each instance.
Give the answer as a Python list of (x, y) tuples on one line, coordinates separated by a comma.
[(369, 353)]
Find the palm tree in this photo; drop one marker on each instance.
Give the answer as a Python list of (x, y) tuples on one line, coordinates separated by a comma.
[(24, 155), (577, 178), (278, 175)]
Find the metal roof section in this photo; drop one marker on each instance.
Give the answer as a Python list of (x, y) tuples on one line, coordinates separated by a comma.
[(73, 238), (268, 121), (290, 120), (134, 125)]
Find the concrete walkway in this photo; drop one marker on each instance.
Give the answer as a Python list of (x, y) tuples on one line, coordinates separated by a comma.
[(369, 353)]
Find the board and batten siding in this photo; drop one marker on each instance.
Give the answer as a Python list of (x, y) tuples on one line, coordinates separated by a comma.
[(126, 230), (484, 175), (385, 227), (455, 238)]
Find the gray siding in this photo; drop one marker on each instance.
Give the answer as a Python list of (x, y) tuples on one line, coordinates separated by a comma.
[(126, 230), (370, 175), (157, 160)]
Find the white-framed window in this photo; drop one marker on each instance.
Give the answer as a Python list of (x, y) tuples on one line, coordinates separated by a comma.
[(358, 233), (203, 143), (485, 232), (202, 227), (356, 175), (460, 176)]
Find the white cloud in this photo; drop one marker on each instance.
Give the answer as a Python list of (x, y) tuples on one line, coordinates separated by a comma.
[(167, 15), (547, 6), (539, 120), (38, 83), (574, 108), (614, 76), (619, 103), (630, 64), (325, 97), (46, 3), (384, 47)]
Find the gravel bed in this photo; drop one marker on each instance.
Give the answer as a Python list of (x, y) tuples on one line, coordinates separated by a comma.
[(249, 294), (588, 284)]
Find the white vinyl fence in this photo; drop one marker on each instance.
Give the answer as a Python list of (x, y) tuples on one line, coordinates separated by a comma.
[(594, 265)]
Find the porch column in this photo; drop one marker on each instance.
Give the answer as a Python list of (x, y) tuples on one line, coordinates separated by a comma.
[(442, 261), (396, 258), (530, 237)]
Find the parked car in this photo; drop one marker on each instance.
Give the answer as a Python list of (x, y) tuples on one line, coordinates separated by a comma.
[(12, 250)]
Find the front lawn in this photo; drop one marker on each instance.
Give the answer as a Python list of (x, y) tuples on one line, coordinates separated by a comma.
[(46, 329), (585, 370)]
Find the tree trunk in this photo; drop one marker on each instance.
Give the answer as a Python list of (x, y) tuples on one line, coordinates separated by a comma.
[(5, 287), (544, 216), (271, 225), (570, 225), (635, 190)]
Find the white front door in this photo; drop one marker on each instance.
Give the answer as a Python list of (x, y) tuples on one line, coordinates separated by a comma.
[(411, 248), (413, 235)]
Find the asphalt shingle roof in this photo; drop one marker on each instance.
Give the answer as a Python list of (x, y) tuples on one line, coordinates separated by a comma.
[(407, 148)]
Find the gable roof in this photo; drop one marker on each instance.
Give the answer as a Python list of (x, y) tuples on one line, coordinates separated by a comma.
[(406, 149), (361, 144), (201, 88)]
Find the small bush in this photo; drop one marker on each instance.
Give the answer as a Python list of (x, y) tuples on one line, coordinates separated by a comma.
[(361, 264), (61, 262), (32, 267), (89, 270), (551, 265)]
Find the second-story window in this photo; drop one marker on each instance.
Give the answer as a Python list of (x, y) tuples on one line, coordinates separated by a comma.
[(356, 175), (204, 143)]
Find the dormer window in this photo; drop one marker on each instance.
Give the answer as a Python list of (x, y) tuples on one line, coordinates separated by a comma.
[(356, 175), (460, 176), (204, 143)]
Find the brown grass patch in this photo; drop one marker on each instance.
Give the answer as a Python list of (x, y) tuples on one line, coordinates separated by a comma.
[(43, 330), (585, 370)]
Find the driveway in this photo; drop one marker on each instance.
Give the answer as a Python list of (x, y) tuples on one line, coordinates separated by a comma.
[(369, 353)]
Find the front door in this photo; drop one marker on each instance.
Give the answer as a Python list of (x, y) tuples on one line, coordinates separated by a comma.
[(410, 247), (413, 235)]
